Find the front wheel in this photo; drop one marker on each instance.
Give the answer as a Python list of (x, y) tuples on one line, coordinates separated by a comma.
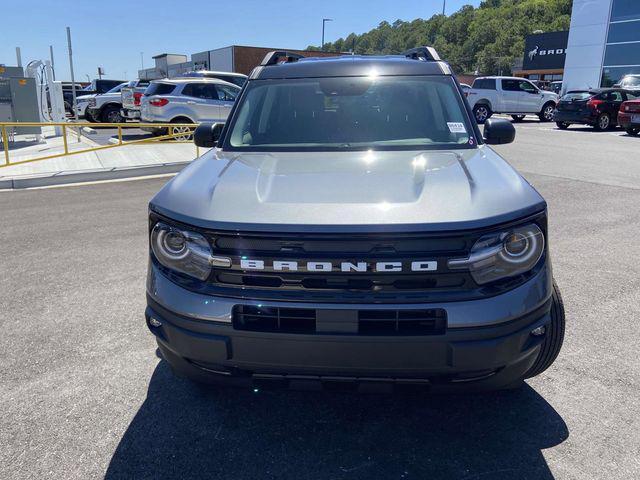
[(633, 131), (546, 114), (553, 336), (562, 125), (111, 114), (482, 113), (517, 118), (603, 122)]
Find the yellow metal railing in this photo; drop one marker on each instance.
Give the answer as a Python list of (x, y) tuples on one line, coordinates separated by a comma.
[(176, 133)]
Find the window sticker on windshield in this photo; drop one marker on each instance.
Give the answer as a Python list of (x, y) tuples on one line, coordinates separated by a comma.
[(456, 127)]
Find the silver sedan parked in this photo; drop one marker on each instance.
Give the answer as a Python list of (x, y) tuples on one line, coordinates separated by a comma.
[(187, 100)]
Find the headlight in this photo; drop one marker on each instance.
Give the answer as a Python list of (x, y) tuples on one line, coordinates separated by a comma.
[(502, 254), (181, 250)]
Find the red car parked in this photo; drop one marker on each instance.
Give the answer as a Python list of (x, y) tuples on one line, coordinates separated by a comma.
[(629, 116)]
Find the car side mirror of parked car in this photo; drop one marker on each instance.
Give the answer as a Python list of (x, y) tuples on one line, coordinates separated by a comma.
[(207, 134), (498, 131)]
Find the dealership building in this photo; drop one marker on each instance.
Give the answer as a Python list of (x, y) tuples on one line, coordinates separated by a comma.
[(544, 57), (234, 58), (603, 44)]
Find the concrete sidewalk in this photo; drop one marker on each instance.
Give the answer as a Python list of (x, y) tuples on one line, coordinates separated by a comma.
[(117, 162)]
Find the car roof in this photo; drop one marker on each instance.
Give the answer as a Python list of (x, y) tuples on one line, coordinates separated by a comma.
[(181, 80), (350, 66), (213, 72), (597, 91), (502, 77)]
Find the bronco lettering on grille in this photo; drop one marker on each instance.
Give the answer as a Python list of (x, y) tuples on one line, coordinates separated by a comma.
[(345, 267)]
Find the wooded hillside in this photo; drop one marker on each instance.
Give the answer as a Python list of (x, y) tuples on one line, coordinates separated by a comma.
[(487, 38)]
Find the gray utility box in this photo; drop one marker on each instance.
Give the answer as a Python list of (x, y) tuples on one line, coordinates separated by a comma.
[(11, 72), (20, 96)]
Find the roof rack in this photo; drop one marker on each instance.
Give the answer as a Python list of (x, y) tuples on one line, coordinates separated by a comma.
[(280, 56), (424, 54)]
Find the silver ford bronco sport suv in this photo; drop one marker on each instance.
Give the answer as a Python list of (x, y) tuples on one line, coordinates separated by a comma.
[(351, 228)]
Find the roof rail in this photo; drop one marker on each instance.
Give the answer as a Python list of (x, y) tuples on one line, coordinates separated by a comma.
[(279, 56), (425, 54)]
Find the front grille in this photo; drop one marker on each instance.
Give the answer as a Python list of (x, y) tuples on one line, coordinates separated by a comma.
[(364, 285), (402, 322), (274, 319), (363, 322), (355, 286)]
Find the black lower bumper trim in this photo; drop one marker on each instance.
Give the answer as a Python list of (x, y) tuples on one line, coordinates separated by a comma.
[(493, 355)]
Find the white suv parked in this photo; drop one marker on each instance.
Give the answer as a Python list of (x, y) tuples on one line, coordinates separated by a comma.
[(511, 95)]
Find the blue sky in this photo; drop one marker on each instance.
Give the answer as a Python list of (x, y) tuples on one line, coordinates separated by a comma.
[(112, 33)]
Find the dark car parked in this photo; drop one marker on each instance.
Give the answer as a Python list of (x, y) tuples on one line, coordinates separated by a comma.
[(598, 108), (629, 117)]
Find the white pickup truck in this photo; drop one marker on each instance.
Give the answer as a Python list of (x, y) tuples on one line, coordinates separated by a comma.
[(105, 108), (130, 96), (514, 96)]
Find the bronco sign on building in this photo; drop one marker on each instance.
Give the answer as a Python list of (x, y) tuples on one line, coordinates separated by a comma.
[(544, 56)]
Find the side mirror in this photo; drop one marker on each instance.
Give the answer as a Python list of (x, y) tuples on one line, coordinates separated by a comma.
[(207, 134), (498, 131)]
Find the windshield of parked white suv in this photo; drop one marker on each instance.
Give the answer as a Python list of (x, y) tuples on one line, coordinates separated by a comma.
[(351, 112)]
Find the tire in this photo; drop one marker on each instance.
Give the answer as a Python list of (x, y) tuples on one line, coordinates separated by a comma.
[(517, 118), (633, 131), (111, 114), (562, 125), (179, 130), (546, 114), (482, 113), (554, 336), (603, 122)]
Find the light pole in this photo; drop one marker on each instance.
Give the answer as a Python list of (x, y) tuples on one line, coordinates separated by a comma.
[(142, 60), (74, 104), (444, 5), (324, 20)]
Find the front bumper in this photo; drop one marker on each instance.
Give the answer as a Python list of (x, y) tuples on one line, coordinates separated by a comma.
[(92, 112), (81, 109), (488, 343), (574, 117)]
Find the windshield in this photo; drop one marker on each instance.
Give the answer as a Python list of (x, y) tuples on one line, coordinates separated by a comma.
[(117, 88), (631, 81), (351, 113), (571, 96)]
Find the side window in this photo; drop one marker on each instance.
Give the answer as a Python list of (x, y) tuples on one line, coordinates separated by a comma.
[(527, 87), (159, 89), (227, 93), (485, 84), (510, 85), (616, 97), (200, 90)]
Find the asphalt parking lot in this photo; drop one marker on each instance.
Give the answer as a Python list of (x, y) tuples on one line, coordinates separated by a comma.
[(83, 394), (104, 136)]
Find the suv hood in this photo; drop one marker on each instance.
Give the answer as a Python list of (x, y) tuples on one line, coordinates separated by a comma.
[(280, 191)]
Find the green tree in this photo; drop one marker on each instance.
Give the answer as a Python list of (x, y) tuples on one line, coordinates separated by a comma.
[(487, 38)]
